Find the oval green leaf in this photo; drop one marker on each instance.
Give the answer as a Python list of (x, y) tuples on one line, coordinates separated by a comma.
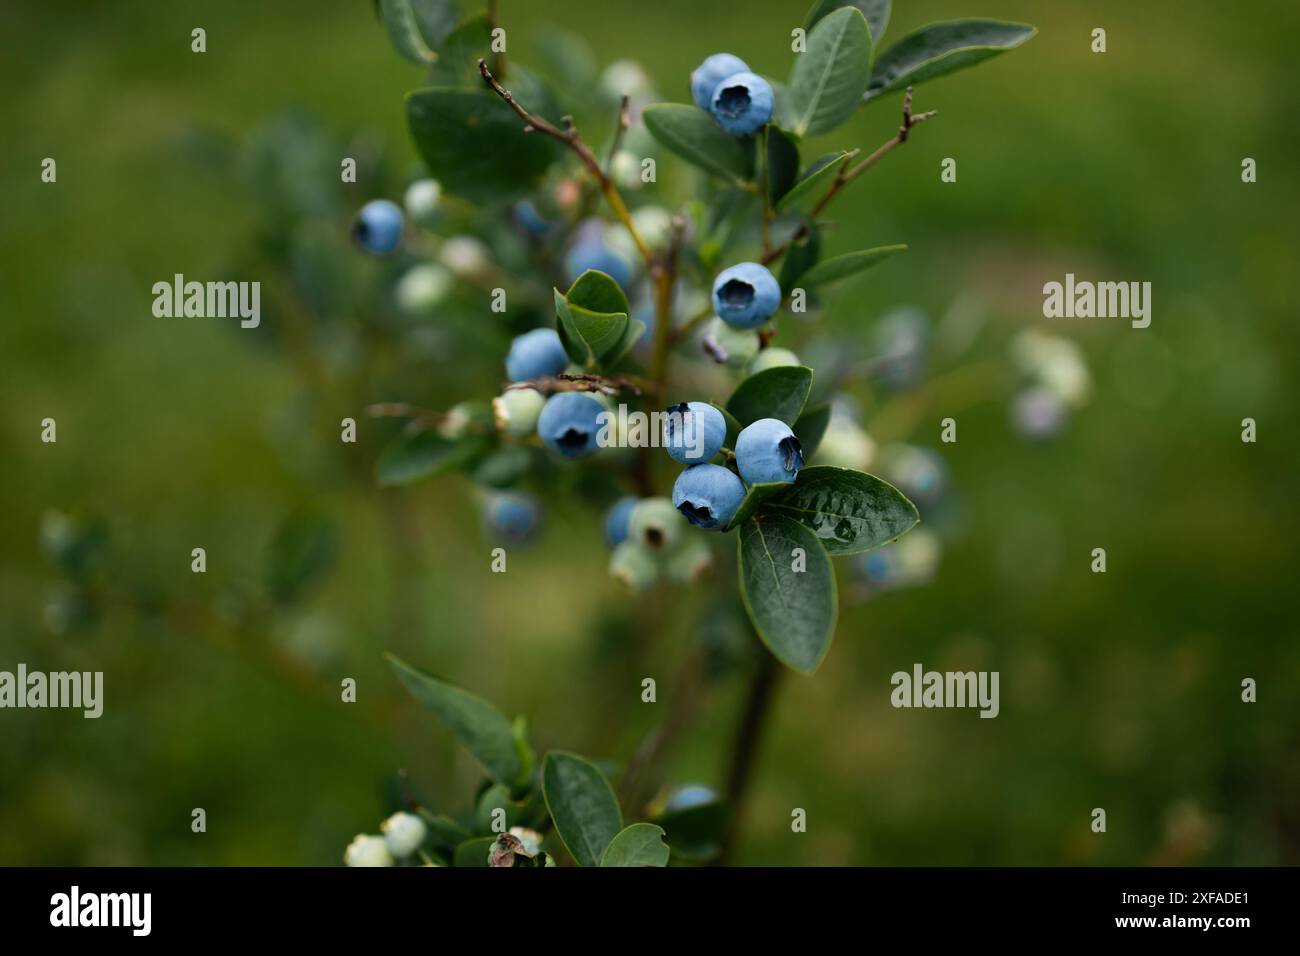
[(782, 164), (772, 393), (811, 427), (641, 844), (804, 194), (418, 453), (582, 804), (847, 511), (475, 145), (792, 610), (696, 137), (480, 727), (839, 267), (827, 82), (597, 292), (942, 48), (876, 12)]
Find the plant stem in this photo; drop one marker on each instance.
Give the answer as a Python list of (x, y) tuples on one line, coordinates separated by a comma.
[(749, 733), (847, 175), (570, 138)]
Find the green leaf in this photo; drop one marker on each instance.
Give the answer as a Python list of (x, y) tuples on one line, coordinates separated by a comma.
[(597, 292), (406, 21), (942, 48), (810, 428), (302, 552), (458, 57), (602, 331), (480, 727), (582, 804), (772, 393), (876, 12), (418, 453), (827, 82), (696, 137), (495, 797), (641, 844), (635, 329), (808, 191), (792, 611), (475, 145), (848, 511), (782, 164), (444, 832), (473, 852), (801, 256), (838, 267), (755, 495), (570, 337)]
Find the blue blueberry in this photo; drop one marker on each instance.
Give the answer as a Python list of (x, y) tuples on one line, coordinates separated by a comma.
[(742, 103), (708, 496), (511, 516), (767, 451), (536, 354), (694, 432), (746, 295), (529, 219), (616, 521), (378, 226), (594, 254), (706, 77), (569, 424), (689, 796)]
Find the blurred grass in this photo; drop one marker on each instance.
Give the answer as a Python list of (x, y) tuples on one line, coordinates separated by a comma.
[(1119, 691)]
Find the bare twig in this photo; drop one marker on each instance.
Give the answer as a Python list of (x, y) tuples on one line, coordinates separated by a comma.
[(749, 733), (583, 382), (847, 174), (570, 138), (620, 130)]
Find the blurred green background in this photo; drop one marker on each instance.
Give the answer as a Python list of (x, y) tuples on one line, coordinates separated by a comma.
[(1119, 690)]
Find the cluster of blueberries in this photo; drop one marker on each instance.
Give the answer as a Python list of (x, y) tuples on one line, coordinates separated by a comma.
[(740, 100)]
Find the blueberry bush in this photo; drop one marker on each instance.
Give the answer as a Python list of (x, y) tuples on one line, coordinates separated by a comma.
[(650, 310)]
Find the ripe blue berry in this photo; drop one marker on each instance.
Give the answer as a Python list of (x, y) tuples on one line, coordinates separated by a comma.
[(616, 520), (708, 496), (706, 77), (511, 516), (742, 103), (535, 354), (569, 424), (594, 254), (767, 451), (694, 432), (378, 226), (746, 295)]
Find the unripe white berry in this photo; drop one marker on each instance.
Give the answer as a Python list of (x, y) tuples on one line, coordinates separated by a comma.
[(366, 850), (403, 833)]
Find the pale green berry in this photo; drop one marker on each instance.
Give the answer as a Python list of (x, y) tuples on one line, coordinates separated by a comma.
[(688, 562), (656, 525), (737, 345), (422, 199), (845, 445), (625, 170), (633, 565), (464, 255), (516, 411), (366, 850), (422, 288), (403, 833), (770, 358)]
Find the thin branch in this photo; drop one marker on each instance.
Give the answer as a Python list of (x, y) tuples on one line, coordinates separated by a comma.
[(583, 382), (749, 732), (570, 138), (620, 130), (847, 175)]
